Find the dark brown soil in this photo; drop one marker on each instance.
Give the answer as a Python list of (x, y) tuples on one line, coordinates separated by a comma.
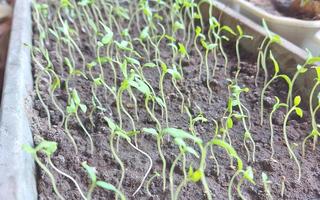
[(286, 8), (196, 94)]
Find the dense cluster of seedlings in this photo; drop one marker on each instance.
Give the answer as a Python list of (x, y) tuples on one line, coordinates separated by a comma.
[(125, 39)]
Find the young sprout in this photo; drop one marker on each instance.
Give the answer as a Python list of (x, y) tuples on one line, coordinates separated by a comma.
[(299, 112), (235, 101), (245, 175), (179, 136), (266, 185), (275, 76), (183, 54), (198, 34), (149, 182), (159, 136), (48, 148), (313, 112), (276, 106), (301, 69), (270, 39), (117, 131), (241, 36), (216, 29), (208, 48), (176, 76), (91, 171), (72, 110)]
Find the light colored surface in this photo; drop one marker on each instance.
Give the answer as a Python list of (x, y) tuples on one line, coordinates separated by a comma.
[(5, 11), (17, 171), (304, 33)]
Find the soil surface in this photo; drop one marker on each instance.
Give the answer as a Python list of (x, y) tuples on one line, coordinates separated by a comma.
[(281, 170), (290, 8)]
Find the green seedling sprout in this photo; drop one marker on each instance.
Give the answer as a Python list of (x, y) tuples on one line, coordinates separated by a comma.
[(117, 131), (179, 136), (241, 36), (72, 110), (235, 101), (48, 148), (270, 39), (164, 71), (216, 29), (313, 112), (275, 76), (176, 76), (275, 107), (183, 54), (150, 181), (208, 48), (91, 171), (193, 120), (67, 31), (301, 69), (266, 185), (245, 175), (295, 108), (125, 85), (199, 35), (159, 136)]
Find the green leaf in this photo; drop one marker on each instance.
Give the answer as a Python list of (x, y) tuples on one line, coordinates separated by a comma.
[(178, 26), (178, 133), (182, 50), (123, 135), (160, 101), (313, 60), (83, 108), (71, 108), (132, 61), (110, 187), (150, 65), (106, 186), (240, 31), (91, 64), (302, 69), (198, 31), (91, 171), (228, 29), (151, 131), (141, 86), (93, 25), (27, 148), (111, 124), (265, 178), (275, 63), (231, 151), (175, 74), (212, 46), (318, 72), (75, 97), (229, 123), (48, 147), (56, 83), (107, 38), (196, 176), (192, 151), (248, 175), (297, 100), (144, 33), (299, 112)]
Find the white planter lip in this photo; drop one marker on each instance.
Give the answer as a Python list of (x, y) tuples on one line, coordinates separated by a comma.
[(290, 21), (17, 167)]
